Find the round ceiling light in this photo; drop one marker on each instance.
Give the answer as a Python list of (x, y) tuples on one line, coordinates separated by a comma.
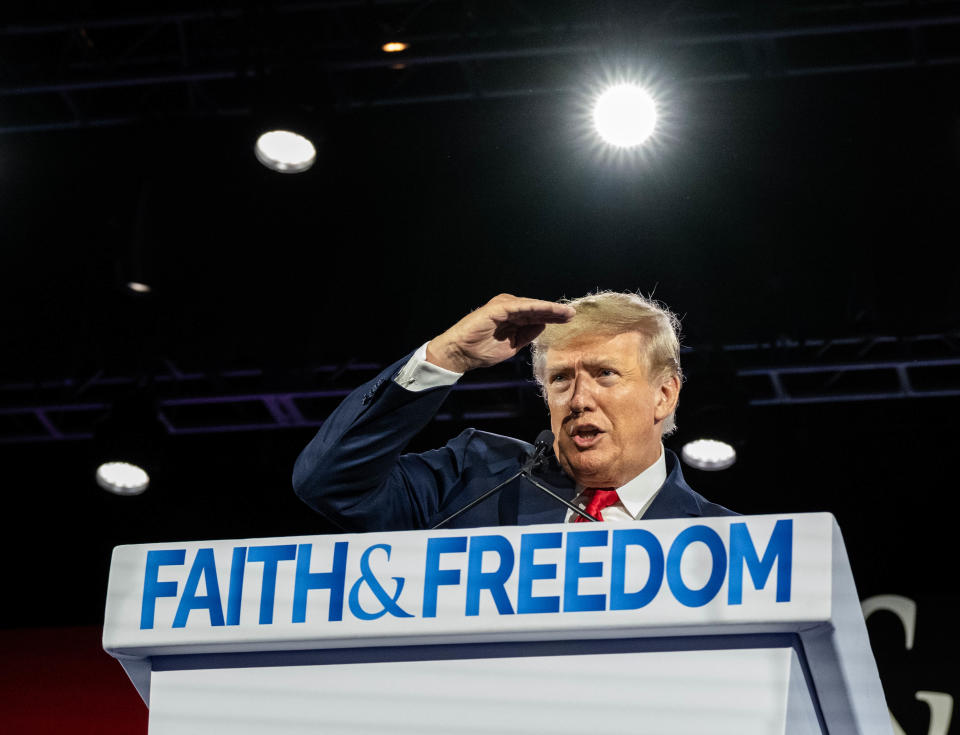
[(708, 454), (122, 478), (139, 287), (285, 151), (625, 115)]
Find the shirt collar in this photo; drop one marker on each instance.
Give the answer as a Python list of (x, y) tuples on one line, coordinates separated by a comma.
[(637, 494)]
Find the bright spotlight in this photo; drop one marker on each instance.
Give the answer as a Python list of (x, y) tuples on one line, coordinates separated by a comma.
[(625, 115), (284, 151), (138, 287), (122, 478), (708, 454), (393, 47)]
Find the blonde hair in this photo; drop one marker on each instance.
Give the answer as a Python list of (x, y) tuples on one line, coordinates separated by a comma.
[(612, 313)]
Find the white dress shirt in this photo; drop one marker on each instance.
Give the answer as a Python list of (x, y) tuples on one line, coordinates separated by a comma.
[(418, 374), (635, 497)]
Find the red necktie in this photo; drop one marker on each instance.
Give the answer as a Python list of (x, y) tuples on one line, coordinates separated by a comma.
[(600, 498)]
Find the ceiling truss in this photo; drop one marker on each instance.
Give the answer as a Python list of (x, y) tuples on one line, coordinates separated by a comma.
[(785, 372), (108, 71)]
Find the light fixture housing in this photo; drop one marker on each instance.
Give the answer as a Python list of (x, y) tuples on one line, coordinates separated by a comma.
[(709, 454), (122, 478), (138, 287), (285, 151), (129, 442)]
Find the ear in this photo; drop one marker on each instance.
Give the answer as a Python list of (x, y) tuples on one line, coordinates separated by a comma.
[(667, 397)]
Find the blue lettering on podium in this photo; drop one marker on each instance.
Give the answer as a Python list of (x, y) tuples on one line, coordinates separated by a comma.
[(742, 551), (620, 599), (526, 602), (334, 580), (152, 588), (270, 556), (234, 596), (683, 594), (434, 576), (387, 601), (445, 567), (575, 570), (203, 566), (494, 581)]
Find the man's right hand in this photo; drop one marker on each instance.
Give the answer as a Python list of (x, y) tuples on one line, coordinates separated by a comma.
[(495, 332)]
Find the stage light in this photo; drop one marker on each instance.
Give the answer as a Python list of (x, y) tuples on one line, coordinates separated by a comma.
[(122, 478), (625, 115), (393, 47), (129, 444), (138, 287), (708, 454), (285, 152)]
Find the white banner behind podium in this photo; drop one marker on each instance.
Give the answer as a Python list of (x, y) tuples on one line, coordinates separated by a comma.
[(457, 608)]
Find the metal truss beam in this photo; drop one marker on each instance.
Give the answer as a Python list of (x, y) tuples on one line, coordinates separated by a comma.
[(900, 372), (773, 373), (863, 376)]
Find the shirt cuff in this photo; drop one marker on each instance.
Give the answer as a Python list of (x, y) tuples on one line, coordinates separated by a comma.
[(418, 374)]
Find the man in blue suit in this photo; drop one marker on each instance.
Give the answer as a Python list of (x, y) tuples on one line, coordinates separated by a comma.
[(609, 367)]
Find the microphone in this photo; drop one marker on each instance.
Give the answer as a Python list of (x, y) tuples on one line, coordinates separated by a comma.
[(542, 445)]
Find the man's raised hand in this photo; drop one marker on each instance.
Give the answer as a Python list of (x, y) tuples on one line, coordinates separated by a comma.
[(496, 331)]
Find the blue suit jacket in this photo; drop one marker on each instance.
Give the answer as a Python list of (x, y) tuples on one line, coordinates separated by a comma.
[(353, 472)]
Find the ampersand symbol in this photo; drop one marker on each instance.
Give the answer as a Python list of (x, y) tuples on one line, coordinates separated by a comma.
[(366, 576)]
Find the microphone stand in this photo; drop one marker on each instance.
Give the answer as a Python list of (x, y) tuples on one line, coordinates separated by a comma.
[(543, 443), (582, 513)]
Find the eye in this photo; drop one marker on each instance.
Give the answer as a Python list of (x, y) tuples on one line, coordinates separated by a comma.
[(557, 378)]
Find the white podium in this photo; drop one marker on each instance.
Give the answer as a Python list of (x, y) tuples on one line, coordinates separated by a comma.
[(705, 625)]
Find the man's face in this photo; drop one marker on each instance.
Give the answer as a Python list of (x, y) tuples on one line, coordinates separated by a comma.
[(606, 415)]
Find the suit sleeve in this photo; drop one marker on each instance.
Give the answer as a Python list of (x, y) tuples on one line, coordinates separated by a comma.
[(353, 473)]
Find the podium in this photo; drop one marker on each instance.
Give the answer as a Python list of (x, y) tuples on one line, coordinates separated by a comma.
[(739, 625)]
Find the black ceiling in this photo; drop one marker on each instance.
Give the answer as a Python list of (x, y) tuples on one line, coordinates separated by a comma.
[(802, 188)]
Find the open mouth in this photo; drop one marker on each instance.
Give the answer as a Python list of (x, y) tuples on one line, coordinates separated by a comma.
[(585, 436)]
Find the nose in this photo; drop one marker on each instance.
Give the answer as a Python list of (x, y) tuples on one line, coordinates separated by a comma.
[(582, 397)]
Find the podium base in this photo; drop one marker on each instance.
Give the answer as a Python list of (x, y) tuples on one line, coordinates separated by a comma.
[(744, 691)]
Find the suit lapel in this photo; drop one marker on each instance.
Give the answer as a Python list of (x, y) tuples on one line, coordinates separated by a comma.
[(675, 499), (535, 506)]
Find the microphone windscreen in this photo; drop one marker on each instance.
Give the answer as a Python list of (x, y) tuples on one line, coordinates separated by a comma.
[(544, 439)]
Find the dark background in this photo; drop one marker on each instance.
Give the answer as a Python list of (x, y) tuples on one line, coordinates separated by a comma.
[(797, 208)]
